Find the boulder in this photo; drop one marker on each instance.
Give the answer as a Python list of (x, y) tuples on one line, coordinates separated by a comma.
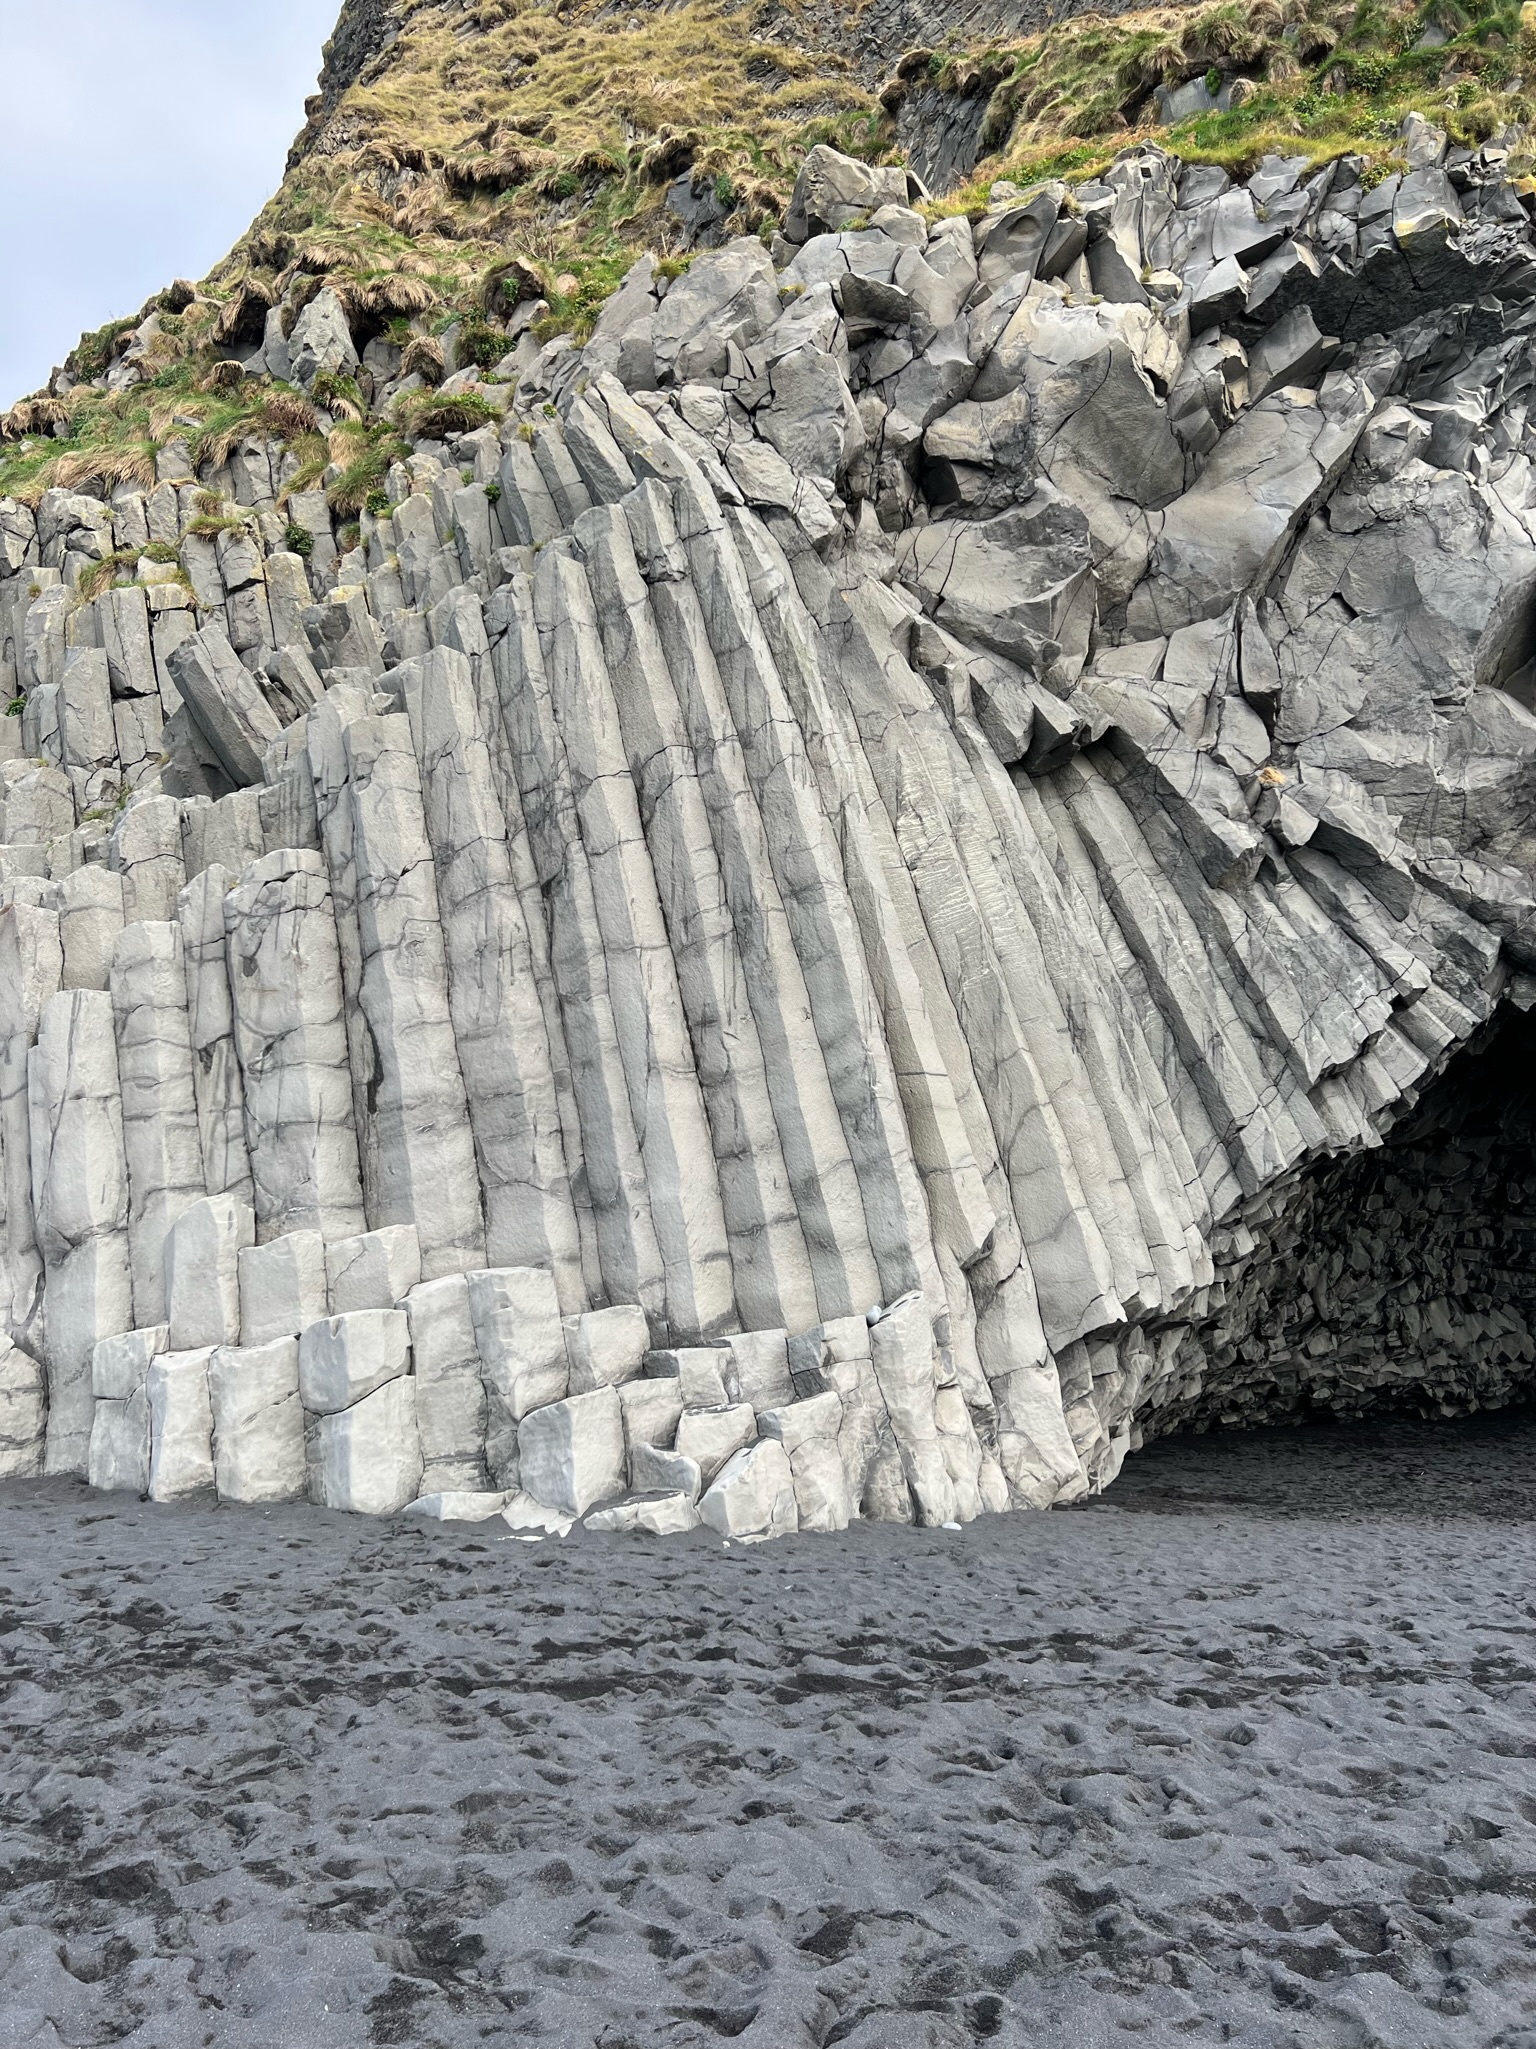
[(457, 1506), (809, 1432), (367, 1458), (258, 1422), (181, 1425), (522, 1340), (654, 1471), (572, 1453), (831, 190), (655, 1515), (607, 1347), (652, 1411), (321, 341), (226, 702), (754, 1497), (712, 1437), (727, 297), (345, 1358), (1021, 584)]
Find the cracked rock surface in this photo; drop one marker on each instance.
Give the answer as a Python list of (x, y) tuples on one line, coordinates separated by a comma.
[(943, 817)]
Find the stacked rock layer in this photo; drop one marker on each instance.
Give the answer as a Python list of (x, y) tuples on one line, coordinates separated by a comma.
[(816, 923)]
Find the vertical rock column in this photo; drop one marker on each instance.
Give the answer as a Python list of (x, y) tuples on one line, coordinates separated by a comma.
[(291, 1040), (514, 625), (87, 737), (771, 1269), (80, 1194), (498, 1017), (31, 965), (815, 895), (666, 1103), (325, 746), (810, 1128), (159, 1101), (211, 1028), (611, 1177), (426, 1172)]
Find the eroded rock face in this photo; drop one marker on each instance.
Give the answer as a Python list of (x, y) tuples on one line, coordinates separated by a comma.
[(902, 903)]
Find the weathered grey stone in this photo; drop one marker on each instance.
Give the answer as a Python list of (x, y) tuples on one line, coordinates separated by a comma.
[(573, 1453), (291, 1041), (211, 1031), (226, 702), (227, 834), (145, 850), (80, 1201), (652, 1411), (87, 734), (663, 1515), (159, 1105), (425, 1171), (345, 1358), (832, 189), (607, 1346), (498, 1019), (710, 1437), (31, 967), (202, 1271), (118, 1459), (701, 1373), (258, 1422), (90, 919), (451, 1395), (321, 340), (754, 1497), (283, 1287), (343, 634), (367, 1458), (521, 1338), (36, 804), (903, 1355), (23, 1414), (758, 1372), (809, 1432), (456, 1505), (728, 296), (181, 1425), (121, 1365), (376, 1271), (655, 1471)]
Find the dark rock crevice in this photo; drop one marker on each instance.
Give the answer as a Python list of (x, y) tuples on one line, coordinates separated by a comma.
[(1399, 1279)]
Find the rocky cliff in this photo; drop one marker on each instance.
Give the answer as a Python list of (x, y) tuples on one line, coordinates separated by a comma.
[(905, 863)]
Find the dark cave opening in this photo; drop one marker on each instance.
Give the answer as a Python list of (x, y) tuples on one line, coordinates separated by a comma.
[(1400, 1279)]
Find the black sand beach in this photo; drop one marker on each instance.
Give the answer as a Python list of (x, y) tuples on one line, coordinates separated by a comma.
[(1245, 1753)]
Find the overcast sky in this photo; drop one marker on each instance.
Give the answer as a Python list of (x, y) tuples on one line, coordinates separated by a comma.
[(138, 138)]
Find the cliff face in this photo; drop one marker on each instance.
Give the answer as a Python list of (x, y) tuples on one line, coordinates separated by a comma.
[(836, 897), (365, 33)]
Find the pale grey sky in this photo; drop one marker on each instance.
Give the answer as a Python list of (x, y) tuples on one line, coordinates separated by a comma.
[(137, 141)]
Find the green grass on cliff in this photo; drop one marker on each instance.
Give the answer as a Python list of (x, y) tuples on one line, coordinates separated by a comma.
[(550, 133), (1313, 77)]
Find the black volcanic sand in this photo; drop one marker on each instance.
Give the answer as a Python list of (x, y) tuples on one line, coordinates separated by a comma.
[(1243, 1755)]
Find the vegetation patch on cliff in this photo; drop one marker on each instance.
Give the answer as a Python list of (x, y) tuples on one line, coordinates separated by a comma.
[(518, 151)]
